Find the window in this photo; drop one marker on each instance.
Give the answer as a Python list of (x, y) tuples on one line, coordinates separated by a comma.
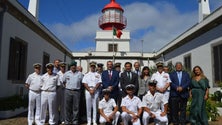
[(111, 47), (187, 62), (17, 60), (217, 52), (171, 66), (46, 58)]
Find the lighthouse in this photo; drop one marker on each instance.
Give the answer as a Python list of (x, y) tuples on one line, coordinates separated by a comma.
[(112, 17), (111, 23)]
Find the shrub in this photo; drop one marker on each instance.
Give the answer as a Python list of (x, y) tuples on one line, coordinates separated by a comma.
[(13, 102), (211, 108), (212, 111)]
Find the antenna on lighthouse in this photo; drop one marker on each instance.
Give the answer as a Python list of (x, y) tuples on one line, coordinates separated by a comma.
[(33, 8), (204, 9)]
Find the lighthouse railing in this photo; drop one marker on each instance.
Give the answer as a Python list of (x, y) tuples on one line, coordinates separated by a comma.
[(112, 18)]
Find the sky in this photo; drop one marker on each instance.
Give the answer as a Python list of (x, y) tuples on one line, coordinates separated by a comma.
[(156, 22)]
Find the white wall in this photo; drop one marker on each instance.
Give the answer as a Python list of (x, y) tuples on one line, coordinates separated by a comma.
[(36, 47), (121, 46), (105, 37), (202, 56), (85, 63)]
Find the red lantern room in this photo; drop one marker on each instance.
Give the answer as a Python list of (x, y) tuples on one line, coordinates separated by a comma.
[(112, 17)]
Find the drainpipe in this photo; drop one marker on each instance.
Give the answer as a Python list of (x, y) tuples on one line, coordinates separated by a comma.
[(3, 9)]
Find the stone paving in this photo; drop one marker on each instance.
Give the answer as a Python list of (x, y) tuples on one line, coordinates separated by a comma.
[(22, 120)]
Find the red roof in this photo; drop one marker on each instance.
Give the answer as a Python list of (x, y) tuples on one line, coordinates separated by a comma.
[(113, 5)]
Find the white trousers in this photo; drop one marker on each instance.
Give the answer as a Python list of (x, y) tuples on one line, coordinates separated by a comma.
[(126, 118), (162, 119), (48, 100), (102, 120), (166, 95), (91, 102), (60, 93), (34, 103)]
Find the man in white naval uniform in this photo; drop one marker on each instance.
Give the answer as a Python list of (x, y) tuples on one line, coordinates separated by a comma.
[(60, 93), (131, 107), (49, 83), (163, 81), (72, 82), (108, 109), (33, 84), (91, 81), (152, 102)]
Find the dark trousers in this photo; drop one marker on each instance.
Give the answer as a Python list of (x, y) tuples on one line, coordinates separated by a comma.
[(72, 106), (178, 110), (82, 107)]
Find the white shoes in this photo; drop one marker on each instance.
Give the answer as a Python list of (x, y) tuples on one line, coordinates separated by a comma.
[(89, 123)]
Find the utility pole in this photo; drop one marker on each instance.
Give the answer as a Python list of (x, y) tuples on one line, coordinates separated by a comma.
[(142, 48)]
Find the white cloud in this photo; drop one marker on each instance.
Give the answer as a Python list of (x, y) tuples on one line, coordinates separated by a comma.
[(156, 24), (77, 31)]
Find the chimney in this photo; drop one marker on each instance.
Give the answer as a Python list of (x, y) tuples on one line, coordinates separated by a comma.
[(33, 8), (204, 9)]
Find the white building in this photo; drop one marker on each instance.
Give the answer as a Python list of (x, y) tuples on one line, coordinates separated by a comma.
[(200, 45), (109, 46), (23, 42)]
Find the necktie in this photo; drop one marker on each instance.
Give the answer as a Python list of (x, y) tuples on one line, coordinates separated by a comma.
[(179, 77), (137, 72), (128, 74), (110, 74)]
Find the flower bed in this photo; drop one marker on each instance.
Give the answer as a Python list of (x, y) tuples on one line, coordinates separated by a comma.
[(13, 105), (12, 113)]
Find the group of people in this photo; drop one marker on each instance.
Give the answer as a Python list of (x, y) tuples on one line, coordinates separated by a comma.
[(131, 96)]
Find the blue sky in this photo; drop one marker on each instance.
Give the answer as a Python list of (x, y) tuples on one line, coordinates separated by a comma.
[(156, 22)]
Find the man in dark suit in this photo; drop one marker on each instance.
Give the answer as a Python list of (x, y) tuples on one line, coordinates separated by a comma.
[(129, 77), (179, 94), (110, 80), (137, 68)]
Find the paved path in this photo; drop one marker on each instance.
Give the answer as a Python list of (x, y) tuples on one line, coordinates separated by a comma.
[(22, 120)]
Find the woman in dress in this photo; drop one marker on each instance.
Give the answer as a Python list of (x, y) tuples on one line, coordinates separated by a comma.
[(199, 91), (143, 82)]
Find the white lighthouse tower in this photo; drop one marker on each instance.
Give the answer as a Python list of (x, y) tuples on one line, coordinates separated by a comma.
[(112, 18), (204, 9), (33, 8)]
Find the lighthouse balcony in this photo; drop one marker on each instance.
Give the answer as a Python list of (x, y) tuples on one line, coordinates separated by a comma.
[(112, 19)]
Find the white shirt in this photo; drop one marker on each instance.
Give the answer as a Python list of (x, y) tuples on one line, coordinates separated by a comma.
[(162, 79), (33, 81), (132, 104), (107, 106), (92, 78), (55, 70), (153, 102), (138, 72), (49, 82), (72, 80), (60, 74)]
